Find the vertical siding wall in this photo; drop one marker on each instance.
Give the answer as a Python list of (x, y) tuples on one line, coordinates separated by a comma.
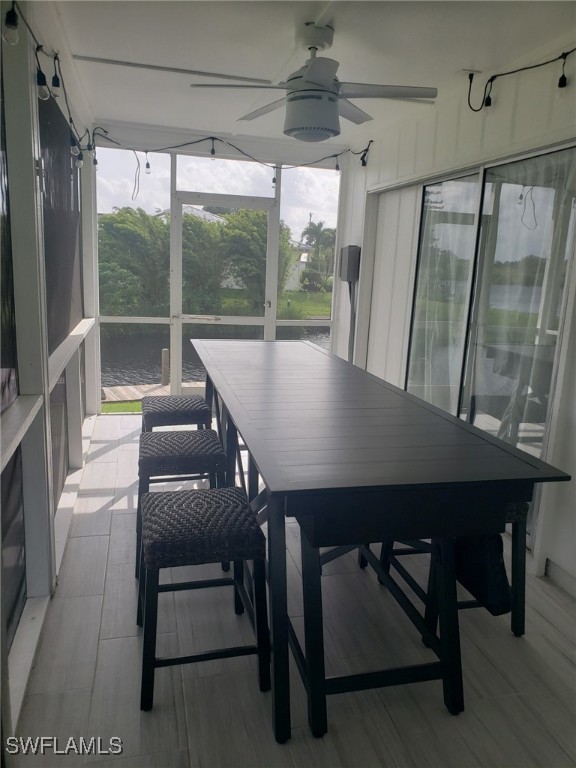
[(529, 114)]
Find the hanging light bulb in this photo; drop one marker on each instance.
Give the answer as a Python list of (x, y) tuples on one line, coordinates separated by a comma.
[(213, 151), (55, 79), (147, 166), (42, 85), (10, 33), (79, 162), (74, 148), (55, 85)]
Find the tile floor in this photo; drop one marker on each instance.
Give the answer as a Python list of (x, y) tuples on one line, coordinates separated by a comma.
[(520, 693)]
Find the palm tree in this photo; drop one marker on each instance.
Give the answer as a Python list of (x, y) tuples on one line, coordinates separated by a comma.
[(322, 241)]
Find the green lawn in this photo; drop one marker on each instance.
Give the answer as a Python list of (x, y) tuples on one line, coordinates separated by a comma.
[(127, 406), (292, 305)]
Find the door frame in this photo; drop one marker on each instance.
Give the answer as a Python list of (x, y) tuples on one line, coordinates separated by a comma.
[(179, 198)]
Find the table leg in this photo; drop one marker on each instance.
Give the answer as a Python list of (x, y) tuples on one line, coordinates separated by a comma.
[(278, 602), (314, 638), (449, 629), (231, 443), (518, 586), (252, 479)]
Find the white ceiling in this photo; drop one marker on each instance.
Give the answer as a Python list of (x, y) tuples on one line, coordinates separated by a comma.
[(406, 43)]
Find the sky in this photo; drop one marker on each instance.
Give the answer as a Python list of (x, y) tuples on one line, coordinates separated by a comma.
[(304, 191)]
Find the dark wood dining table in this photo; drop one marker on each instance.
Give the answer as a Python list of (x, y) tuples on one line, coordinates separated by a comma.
[(355, 459)]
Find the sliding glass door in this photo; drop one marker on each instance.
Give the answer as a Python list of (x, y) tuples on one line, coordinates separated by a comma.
[(526, 244), (490, 295), (440, 311)]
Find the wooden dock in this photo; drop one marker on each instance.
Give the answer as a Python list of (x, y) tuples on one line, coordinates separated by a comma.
[(137, 392)]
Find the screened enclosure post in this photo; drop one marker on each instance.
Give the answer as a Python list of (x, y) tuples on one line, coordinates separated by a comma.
[(90, 283), (38, 512), (74, 411), (175, 285)]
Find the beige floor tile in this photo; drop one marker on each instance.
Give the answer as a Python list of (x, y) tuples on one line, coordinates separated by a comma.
[(84, 567), (66, 659)]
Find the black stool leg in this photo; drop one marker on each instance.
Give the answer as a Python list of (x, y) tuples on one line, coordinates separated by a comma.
[(314, 638), (238, 580), (261, 622), (220, 482), (149, 646), (141, 588), (143, 487)]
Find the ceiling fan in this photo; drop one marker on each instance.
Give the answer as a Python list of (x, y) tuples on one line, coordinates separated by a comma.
[(315, 98)]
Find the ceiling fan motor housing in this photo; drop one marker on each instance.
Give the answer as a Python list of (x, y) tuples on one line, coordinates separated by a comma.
[(312, 115), (312, 35)]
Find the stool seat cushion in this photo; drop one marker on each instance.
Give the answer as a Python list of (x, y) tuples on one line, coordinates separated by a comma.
[(195, 527), (166, 410), (180, 452)]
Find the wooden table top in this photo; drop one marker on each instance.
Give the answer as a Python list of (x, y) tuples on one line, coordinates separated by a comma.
[(314, 422)]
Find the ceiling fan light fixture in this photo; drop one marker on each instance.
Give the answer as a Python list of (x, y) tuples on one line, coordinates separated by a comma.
[(312, 116)]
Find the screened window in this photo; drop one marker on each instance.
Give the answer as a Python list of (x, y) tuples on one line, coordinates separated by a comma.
[(61, 221)]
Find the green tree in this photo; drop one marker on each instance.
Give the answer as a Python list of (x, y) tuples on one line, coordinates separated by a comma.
[(203, 265), (322, 242), (243, 244), (133, 240), (120, 290)]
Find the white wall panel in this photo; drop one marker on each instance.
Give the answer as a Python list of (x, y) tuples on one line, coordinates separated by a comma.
[(496, 120), (392, 287), (425, 150)]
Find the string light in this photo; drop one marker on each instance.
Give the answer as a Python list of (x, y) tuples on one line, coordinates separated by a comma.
[(10, 34), (76, 140), (487, 97), (41, 84), (562, 81), (74, 146), (55, 79)]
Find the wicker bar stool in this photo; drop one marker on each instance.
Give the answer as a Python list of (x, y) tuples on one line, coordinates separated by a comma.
[(179, 455), (174, 410), (194, 528)]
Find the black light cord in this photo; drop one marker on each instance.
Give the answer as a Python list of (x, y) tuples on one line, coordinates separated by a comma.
[(28, 27), (212, 139), (486, 96)]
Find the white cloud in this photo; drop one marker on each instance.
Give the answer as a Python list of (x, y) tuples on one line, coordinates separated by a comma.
[(305, 191)]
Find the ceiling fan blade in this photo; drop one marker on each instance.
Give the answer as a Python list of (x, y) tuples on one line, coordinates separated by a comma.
[(321, 71), (368, 91), (158, 67), (280, 86), (264, 110), (351, 112)]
